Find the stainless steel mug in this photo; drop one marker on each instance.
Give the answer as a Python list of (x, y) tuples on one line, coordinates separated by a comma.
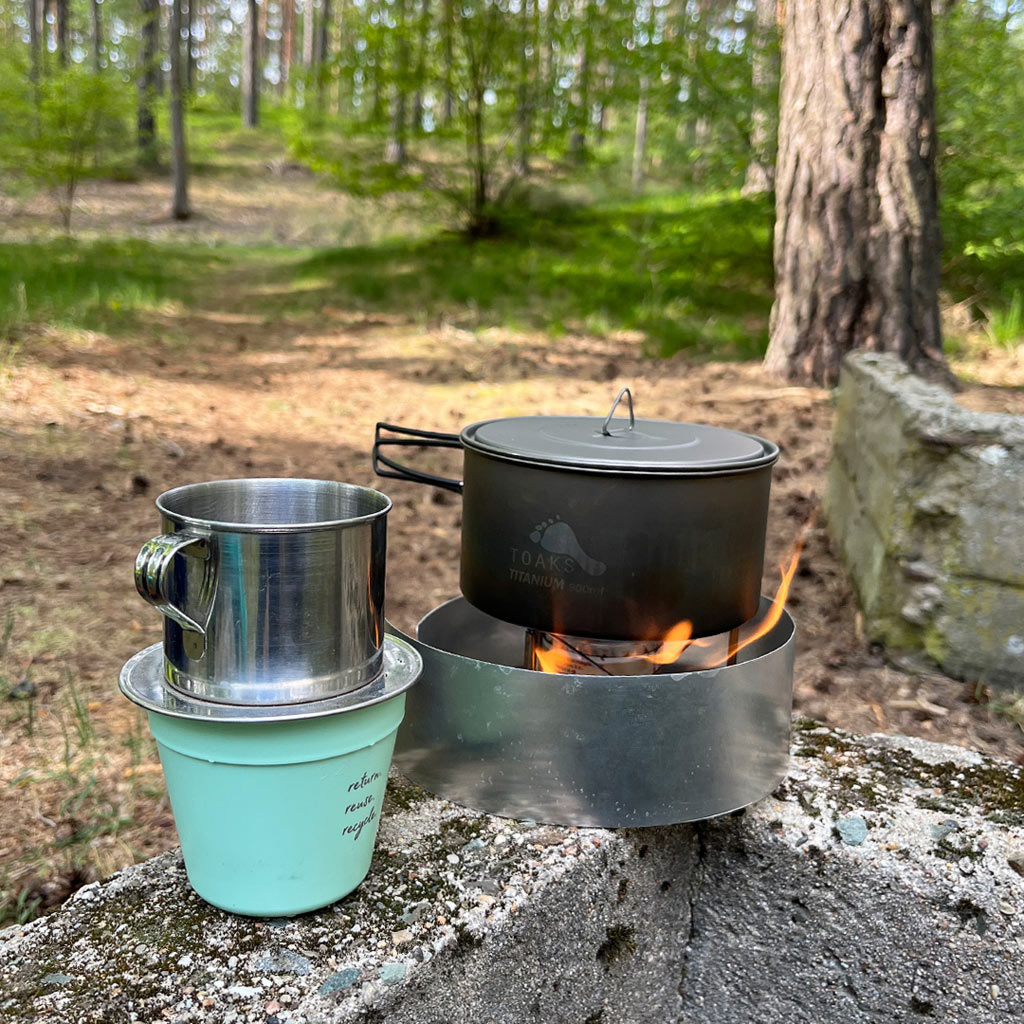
[(272, 590)]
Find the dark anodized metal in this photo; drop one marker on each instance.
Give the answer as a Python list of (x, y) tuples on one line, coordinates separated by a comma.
[(610, 528), (609, 751)]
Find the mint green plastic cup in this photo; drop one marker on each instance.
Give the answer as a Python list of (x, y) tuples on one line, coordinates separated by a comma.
[(278, 818)]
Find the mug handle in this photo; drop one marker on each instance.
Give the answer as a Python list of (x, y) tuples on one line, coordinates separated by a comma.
[(151, 568)]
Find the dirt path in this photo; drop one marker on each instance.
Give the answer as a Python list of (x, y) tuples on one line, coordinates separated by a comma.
[(92, 429)]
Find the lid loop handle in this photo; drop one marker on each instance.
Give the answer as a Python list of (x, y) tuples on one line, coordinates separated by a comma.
[(615, 405)]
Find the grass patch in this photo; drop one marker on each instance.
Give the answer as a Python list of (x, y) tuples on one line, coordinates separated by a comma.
[(94, 285), (1005, 326), (689, 271), (218, 145)]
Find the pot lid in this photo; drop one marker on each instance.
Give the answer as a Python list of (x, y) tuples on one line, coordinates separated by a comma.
[(618, 444)]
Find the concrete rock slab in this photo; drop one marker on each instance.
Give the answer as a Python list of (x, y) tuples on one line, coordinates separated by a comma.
[(769, 915)]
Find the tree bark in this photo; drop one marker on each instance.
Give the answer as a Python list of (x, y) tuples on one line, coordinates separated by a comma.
[(146, 120), (179, 159), (760, 177), (251, 66), (857, 237)]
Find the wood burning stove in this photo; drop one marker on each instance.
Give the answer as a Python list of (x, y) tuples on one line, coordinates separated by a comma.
[(638, 712)]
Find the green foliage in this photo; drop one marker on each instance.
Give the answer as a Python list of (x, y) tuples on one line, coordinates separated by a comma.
[(62, 126), (688, 271), (979, 64), (93, 285)]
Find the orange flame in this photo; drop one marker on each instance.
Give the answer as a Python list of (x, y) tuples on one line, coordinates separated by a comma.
[(772, 616), (677, 639), (557, 660), (680, 637)]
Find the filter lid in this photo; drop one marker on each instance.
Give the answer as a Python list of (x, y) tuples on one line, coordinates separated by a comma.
[(142, 682)]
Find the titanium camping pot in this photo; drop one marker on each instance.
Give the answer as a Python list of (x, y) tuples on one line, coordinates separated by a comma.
[(611, 528)]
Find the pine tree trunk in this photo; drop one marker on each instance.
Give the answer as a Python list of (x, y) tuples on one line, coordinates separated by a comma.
[(760, 177), (251, 66), (262, 21), (286, 51), (179, 159), (857, 237), (146, 120), (61, 14), (322, 49)]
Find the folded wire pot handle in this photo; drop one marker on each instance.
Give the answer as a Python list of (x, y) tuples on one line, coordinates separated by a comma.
[(412, 439), (606, 426), (152, 568)]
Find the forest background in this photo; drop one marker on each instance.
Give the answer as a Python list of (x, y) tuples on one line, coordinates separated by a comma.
[(236, 234), (495, 118)]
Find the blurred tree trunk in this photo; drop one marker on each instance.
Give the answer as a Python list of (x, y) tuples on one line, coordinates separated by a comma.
[(34, 16), (322, 49), (251, 66), (760, 176), (449, 96), (146, 120), (97, 35), (640, 137), (548, 71), (640, 131), (581, 104), (857, 236), (395, 152), (308, 24), (61, 26), (286, 52), (524, 113), (422, 44), (262, 21), (190, 43), (342, 48), (179, 159)]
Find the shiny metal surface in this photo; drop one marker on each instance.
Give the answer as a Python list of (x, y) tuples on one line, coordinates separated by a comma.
[(592, 750), (272, 590), (142, 682)]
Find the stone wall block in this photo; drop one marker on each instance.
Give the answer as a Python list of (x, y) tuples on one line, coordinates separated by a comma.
[(926, 500), (978, 633)]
